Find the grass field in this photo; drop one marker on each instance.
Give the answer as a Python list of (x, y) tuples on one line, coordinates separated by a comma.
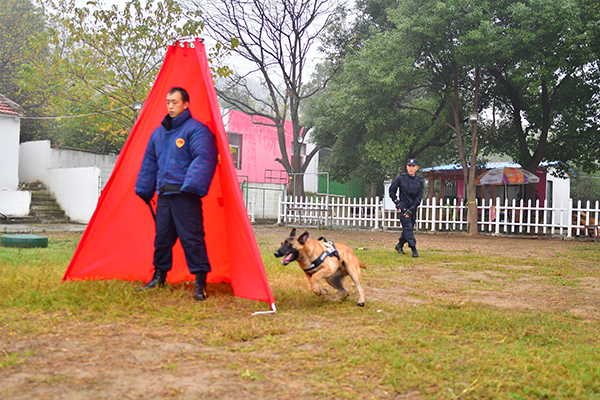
[(471, 318)]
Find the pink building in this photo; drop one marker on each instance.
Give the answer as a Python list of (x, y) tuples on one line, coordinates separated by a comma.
[(255, 146)]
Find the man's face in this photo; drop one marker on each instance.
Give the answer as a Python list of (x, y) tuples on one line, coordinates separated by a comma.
[(175, 104), (412, 169)]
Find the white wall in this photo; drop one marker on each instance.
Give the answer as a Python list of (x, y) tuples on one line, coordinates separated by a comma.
[(388, 204), (9, 152), (37, 157), (561, 188), (34, 160), (311, 178), (76, 190), (561, 192), (72, 176), (14, 203), (265, 197)]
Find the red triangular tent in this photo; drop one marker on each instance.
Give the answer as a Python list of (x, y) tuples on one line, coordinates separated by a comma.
[(118, 241)]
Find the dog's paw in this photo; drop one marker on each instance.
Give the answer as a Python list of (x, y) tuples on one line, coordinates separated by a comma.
[(340, 297), (361, 304)]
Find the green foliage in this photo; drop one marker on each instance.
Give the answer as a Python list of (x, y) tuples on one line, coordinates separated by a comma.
[(361, 117), (22, 30), (78, 70), (542, 56), (102, 60), (532, 65), (585, 187)]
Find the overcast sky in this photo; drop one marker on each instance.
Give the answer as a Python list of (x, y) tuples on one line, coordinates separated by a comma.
[(235, 62)]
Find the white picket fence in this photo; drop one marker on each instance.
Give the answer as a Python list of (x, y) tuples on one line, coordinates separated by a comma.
[(437, 215)]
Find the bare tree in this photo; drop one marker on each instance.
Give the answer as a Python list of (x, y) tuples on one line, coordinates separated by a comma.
[(276, 38)]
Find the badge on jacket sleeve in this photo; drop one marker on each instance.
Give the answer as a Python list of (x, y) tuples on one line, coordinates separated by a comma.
[(180, 142)]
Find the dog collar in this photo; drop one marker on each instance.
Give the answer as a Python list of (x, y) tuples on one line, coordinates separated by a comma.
[(330, 251)]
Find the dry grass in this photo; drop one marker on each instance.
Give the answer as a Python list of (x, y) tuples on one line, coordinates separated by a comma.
[(471, 318)]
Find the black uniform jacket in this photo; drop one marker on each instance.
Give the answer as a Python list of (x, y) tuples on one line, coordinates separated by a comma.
[(410, 190)]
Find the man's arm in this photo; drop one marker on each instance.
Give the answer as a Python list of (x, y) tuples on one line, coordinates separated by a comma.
[(418, 199), (145, 186), (202, 168), (393, 189)]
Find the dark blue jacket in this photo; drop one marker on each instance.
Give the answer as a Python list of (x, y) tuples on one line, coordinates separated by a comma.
[(411, 191), (181, 155)]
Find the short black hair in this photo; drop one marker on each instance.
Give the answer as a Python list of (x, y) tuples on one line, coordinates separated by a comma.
[(184, 94)]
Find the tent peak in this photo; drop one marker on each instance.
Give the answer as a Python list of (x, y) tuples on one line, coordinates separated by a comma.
[(189, 40)]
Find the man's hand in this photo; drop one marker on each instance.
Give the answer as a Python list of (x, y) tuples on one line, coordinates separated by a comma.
[(408, 213), (146, 199), (191, 195), (398, 206)]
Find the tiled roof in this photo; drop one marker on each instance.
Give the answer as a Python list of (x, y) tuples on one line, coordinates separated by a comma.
[(9, 107)]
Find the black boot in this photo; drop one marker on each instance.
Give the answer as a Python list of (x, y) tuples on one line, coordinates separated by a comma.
[(415, 253), (399, 248), (199, 290), (159, 279)]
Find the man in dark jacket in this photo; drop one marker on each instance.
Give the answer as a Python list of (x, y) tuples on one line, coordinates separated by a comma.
[(410, 188), (179, 164)]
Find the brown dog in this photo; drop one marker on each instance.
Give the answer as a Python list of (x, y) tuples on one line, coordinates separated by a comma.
[(323, 260)]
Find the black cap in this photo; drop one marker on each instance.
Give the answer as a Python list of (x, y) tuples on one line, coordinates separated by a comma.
[(412, 161)]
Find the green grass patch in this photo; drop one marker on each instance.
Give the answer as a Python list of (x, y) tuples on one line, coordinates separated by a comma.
[(433, 348)]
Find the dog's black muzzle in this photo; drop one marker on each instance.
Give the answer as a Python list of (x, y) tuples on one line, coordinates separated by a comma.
[(288, 252)]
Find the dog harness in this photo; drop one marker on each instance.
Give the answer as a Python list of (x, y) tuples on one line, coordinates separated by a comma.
[(330, 251)]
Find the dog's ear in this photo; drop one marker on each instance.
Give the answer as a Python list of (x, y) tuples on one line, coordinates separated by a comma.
[(293, 232), (302, 239)]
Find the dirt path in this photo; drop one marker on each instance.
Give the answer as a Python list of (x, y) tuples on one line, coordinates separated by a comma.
[(83, 361), (418, 284)]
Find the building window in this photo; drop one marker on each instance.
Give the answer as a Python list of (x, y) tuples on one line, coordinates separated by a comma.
[(235, 146), (450, 190)]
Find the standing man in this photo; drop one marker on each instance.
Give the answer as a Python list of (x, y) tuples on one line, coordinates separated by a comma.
[(179, 163), (410, 188)]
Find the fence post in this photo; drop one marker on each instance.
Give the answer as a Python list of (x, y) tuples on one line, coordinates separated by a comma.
[(546, 213), (376, 210), (570, 218), (327, 205), (422, 217), (596, 222), (253, 218), (454, 214), (481, 222), (433, 206), (279, 209), (461, 212), (521, 215), (537, 215), (529, 214), (497, 221)]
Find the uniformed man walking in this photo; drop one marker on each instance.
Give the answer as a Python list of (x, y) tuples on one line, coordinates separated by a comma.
[(409, 187)]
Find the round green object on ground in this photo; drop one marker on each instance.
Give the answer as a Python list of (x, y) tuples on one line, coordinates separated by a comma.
[(21, 240)]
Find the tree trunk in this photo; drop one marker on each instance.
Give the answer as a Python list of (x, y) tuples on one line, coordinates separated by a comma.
[(472, 209), (372, 190), (297, 185)]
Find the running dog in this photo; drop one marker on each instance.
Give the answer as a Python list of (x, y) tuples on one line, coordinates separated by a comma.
[(320, 259)]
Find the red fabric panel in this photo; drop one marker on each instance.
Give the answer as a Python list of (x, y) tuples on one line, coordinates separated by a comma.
[(118, 241)]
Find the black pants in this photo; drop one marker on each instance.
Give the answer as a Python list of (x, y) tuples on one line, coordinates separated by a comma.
[(180, 216), (408, 227)]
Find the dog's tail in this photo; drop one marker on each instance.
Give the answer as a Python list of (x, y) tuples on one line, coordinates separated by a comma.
[(362, 264)]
